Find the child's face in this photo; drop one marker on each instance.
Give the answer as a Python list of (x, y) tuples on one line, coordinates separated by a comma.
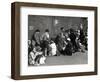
[(37, 32), (38, 48)]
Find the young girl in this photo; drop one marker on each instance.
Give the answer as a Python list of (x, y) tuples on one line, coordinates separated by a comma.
[(36, 56), (40, 58), (53, 49)]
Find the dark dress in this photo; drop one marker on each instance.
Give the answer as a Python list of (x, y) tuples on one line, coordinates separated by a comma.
[(68, 49), (73, 41)]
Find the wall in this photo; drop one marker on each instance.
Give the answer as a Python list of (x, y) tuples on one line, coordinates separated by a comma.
[(53, 23), (5, 41), (39, 22)]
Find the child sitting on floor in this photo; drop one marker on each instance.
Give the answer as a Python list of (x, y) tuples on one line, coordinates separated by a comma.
[(40, 58), (53, 48), (36, 56)]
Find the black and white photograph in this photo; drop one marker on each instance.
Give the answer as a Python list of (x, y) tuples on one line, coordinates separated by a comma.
[(57, 40), (50, 40)]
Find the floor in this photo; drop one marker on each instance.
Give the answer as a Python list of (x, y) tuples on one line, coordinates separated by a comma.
[(76, 58)]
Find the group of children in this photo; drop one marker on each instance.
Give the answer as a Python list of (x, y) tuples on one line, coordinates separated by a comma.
[(37, 56), (65, 43), (39, 49)]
